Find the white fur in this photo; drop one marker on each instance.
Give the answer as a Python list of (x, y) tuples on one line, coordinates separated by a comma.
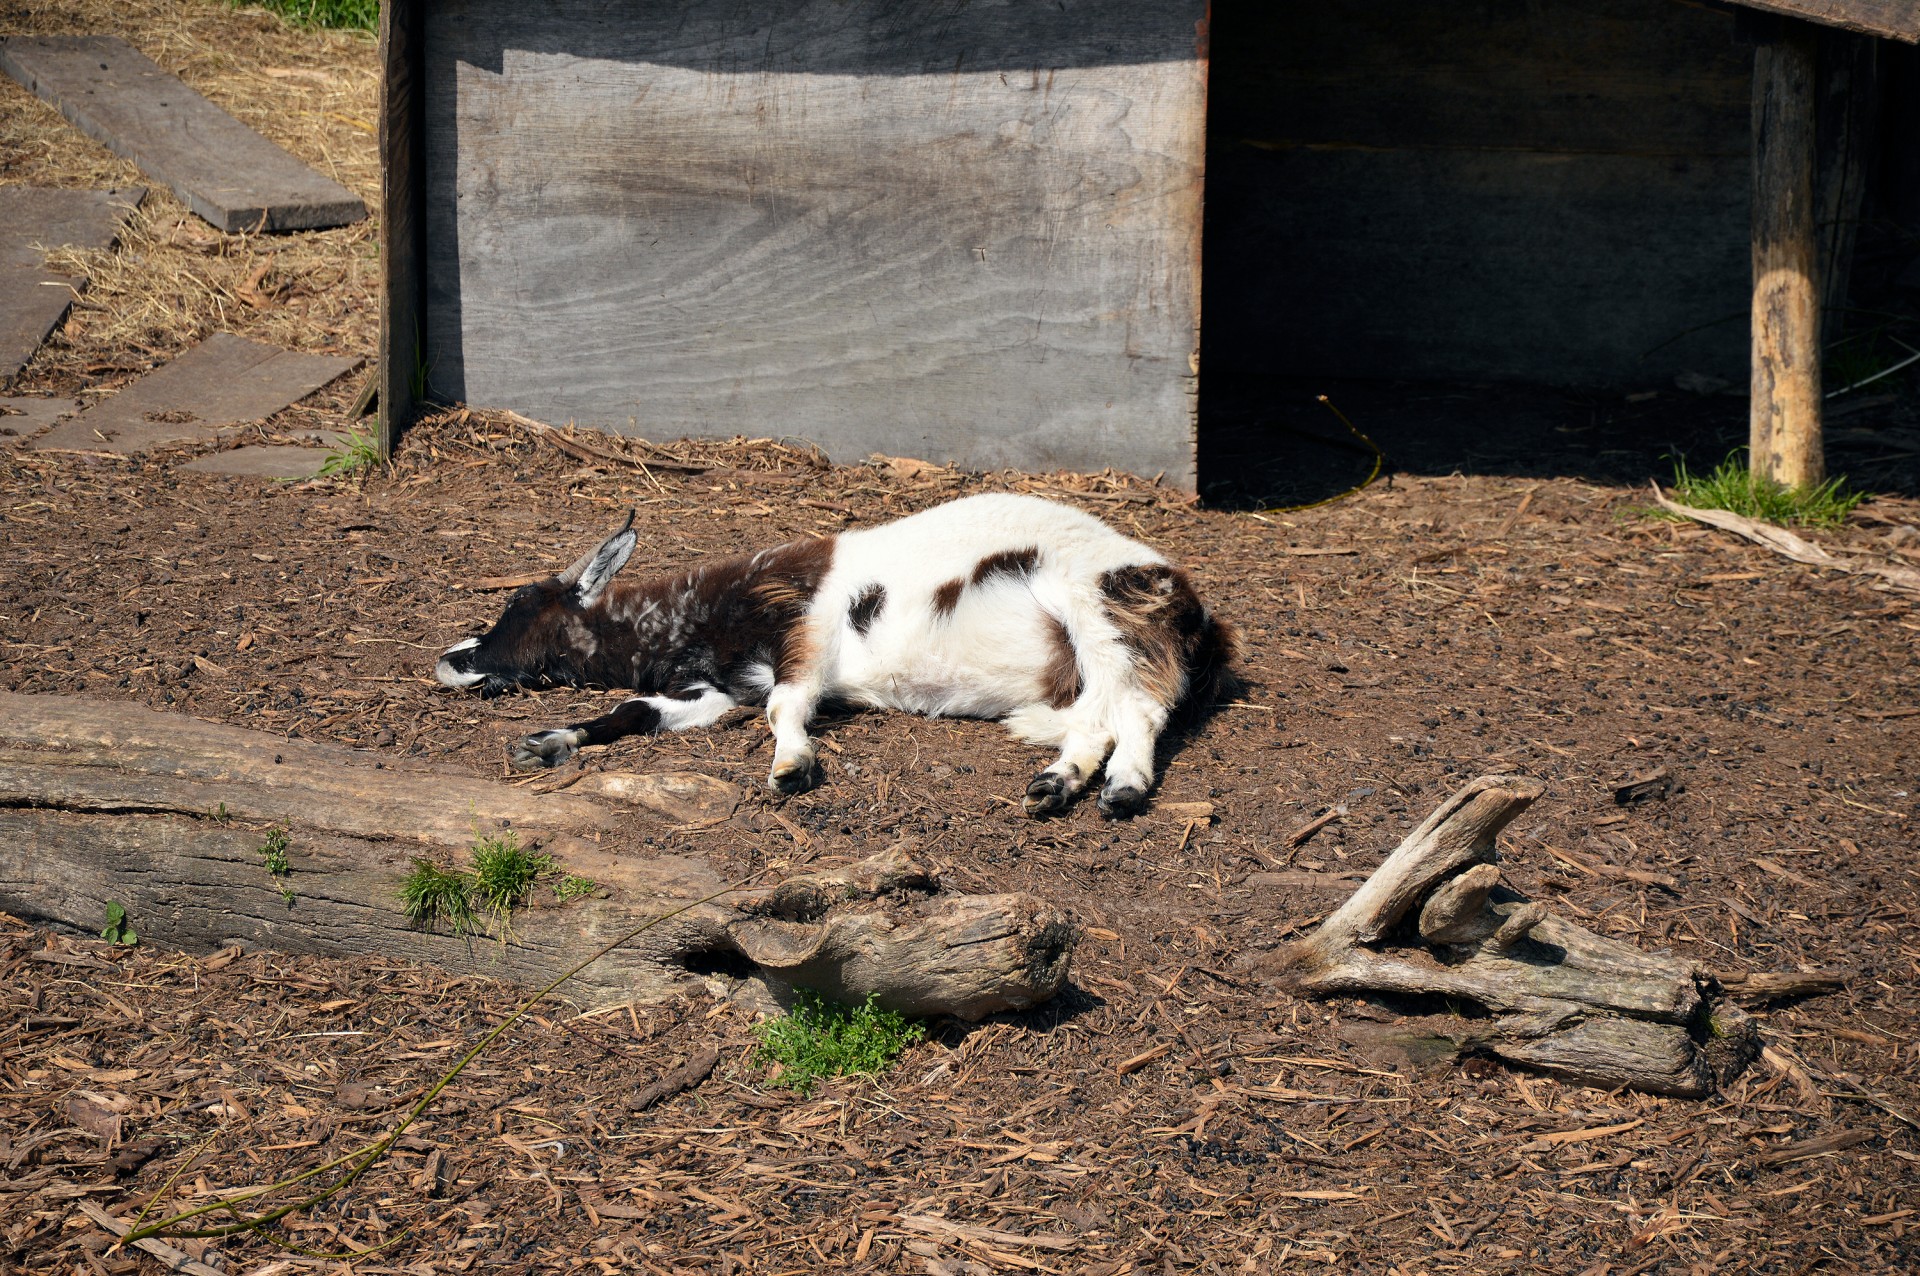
[(987, 657)]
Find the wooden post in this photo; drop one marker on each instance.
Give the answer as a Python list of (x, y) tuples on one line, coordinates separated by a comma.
[(1785, 428), (401, 315)]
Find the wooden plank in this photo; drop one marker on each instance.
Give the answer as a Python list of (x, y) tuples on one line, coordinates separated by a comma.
[(1642, 77), (401, 194), (223, 381), (953, 233), (266, 461), (20, 417), (220, 168), (1545, 191), (1785, 437), (33, 299), (1558, 269), (1894, 19)]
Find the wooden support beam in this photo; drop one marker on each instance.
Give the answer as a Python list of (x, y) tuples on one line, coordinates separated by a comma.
[(401, 318), (1785, 423)]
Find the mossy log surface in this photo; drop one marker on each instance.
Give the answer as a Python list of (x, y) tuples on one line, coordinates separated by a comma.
[(167, 816)]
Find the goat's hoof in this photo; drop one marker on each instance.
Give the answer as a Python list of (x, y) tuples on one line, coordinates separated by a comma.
[(1049, 794), (542, 749), (1122, 801), (796, 776)]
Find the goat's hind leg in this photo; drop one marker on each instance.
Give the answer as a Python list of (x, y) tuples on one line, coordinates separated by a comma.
[(700, 706), (1082, 749)]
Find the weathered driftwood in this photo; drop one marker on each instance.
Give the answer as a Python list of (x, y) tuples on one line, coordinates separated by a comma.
[(167, 815), (1433, 922)]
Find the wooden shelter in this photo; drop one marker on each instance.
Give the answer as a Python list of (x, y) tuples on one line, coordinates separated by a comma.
[(975, 232)]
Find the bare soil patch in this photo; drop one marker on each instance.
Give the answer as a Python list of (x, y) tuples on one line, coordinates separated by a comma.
[(1174, 1110)]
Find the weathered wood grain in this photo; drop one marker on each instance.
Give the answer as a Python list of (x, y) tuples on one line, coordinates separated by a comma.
[(220, 168), (1550, 994), (402, 195), (167, 815), (1894, 19), (953, 233), (223, 381), (33, 299), (1552, 192), (1785, 442)]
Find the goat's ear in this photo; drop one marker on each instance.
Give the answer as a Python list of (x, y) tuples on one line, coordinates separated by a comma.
[(595, 570)]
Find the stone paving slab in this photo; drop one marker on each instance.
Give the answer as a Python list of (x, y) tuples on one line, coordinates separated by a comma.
[(224, 381)]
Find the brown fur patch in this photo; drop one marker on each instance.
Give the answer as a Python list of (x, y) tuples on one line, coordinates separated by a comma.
[(1183, 651), (947, 597), (1060, 679), (1008, 562), (790, 577)]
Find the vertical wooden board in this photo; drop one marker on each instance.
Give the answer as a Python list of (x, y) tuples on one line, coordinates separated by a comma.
[(1590, 270), (401, 192), (958, 234), (1542, 190)]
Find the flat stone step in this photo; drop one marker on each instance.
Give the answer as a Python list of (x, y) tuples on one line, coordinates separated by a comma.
[(33, 299), (223, 170), (222, 382)]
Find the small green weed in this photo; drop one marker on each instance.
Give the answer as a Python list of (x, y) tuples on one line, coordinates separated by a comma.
[(431, 894), (356, 454), (221, 815), (273, 856), (824, 1039), (119, 930), (503, 873), (571, 887), (497, 879), (346, 15), (1732, 486)]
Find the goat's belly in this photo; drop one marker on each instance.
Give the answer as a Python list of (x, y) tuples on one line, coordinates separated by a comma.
[(964, 679)]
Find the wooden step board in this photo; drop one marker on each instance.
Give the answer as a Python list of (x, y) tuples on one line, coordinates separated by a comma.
[(224, 381), (33, 299), (226, 172)]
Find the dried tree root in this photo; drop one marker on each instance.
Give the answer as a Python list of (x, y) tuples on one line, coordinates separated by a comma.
[(1434, 923)]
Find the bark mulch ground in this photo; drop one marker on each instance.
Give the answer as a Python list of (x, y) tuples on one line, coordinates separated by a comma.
[(1174, 1110)]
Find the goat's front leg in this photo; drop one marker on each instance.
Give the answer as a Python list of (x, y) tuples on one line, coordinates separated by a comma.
[(790, 707), (698, 706)]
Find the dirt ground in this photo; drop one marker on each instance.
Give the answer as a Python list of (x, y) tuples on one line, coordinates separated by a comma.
[(1518, 616)]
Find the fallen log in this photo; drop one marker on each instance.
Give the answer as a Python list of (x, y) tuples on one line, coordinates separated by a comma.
[(1434, 928), (170, 818)]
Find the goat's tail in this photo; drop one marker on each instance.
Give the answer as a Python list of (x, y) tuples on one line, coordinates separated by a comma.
[(1209, 661)]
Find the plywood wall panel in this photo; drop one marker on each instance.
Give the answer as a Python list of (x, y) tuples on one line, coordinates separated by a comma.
[(879, 226)]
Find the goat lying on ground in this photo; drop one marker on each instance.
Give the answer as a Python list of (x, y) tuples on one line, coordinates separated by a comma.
[(997, 606)]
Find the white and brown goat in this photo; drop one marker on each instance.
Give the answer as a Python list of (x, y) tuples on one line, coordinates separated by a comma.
[(997, 606)]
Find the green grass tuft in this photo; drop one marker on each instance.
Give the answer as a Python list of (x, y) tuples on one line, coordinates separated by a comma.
[(1733, 487), (573, 887), (824, 1039), (503, 873), (357, 454), (345, 15), (430, 894)]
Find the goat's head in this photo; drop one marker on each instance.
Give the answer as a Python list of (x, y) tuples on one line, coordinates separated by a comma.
[(542, 637)]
